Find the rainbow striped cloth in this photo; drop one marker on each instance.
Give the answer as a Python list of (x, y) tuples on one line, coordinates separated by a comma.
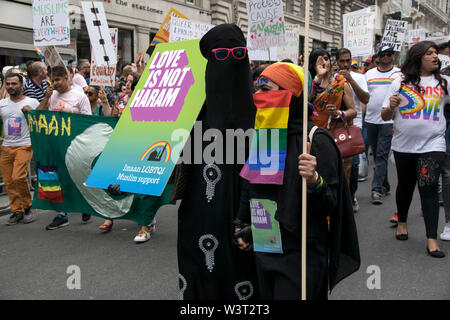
[(267, 159), (48, 184)]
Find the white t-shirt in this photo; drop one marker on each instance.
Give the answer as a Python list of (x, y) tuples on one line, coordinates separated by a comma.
[(72, 99), (15, 127), (78, 80), (378, 83), (361, 81), (78, 88), (423, 131)]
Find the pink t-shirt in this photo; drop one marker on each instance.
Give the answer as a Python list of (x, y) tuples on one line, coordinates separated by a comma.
[(79, 80), (72, 99)]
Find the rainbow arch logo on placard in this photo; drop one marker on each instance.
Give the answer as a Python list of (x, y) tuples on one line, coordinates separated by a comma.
[(415, 100), (159, 151)]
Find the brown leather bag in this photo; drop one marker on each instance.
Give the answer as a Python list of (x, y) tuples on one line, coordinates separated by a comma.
[(349, 140)]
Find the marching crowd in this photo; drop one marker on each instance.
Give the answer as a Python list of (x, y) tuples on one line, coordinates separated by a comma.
[(404, 110)]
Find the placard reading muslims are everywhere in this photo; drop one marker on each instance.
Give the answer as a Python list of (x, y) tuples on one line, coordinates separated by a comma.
[(146, 143)]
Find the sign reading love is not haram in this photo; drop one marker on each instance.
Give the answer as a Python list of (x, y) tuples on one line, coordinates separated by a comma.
[(145, 145), (265, 23)]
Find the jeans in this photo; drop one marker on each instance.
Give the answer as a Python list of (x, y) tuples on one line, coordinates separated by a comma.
[(446, 187), (379, 137)]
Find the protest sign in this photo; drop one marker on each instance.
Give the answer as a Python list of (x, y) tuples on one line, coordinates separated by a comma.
[(97, 26), (394, 34), (265, 24), (183, 29), (445, 60), (52, 57), (105, 75), (287, 51), (359, 29), (51, 22), (144, 147), (65, 146), (163, 34), (416, 35)]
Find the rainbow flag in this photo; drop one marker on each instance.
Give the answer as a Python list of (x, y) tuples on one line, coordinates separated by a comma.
[(48, 183), (380, 81), (267, 159), (416, 102)]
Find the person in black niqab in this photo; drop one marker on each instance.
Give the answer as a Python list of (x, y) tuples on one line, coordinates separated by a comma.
[(210, 266)]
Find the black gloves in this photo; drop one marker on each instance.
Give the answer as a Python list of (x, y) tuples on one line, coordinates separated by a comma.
[(245, 232), (114, 189)]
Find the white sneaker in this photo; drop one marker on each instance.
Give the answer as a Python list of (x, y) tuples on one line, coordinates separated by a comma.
[(446, 234)]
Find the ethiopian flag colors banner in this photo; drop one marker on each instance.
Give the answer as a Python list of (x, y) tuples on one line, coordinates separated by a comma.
[(66, 147)]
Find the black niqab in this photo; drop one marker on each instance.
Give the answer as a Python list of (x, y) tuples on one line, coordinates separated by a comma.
[(229, 102)]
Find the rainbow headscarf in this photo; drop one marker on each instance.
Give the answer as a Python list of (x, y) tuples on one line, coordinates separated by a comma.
[(416, 102), (267, 159)]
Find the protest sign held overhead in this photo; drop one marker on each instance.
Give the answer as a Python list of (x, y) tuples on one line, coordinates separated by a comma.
[(359, 27), (105, 75), (394, 34), (51, 22), (416, 35), (265, 24), (51, 56), (99, 35), (142, 151), (183, 29)]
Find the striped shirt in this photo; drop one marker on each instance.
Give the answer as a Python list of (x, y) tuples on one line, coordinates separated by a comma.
[(33, 91)]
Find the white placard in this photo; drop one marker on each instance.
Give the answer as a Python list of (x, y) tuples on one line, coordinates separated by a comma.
[(104, 75), (359, 27), (445, 60), (182, 29), (265, 24), (97, 26), (51, 22), (52, 57), (416, 35), (395, 33)]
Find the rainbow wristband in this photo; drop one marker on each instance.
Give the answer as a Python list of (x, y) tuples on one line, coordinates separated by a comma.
[(317, 186)]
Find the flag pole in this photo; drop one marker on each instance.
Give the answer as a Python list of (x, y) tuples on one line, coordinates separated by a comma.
[(305, 135)]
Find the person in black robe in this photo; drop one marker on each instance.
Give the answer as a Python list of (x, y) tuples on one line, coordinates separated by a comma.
[(332, 243), (210, 266)]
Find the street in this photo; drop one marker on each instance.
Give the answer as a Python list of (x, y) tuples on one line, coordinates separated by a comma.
[(38, 264)]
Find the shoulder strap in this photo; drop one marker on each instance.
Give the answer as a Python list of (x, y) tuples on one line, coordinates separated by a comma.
[(311, 133)]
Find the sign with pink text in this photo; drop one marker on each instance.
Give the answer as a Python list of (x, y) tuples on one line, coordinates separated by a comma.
[(103, 75), (150, 135), (265, 24)]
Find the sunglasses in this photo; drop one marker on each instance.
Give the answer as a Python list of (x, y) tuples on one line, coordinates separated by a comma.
[(389, 54), (89, 93), (223, 53)]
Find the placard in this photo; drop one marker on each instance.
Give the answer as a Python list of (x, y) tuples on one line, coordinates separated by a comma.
[(143, 149), (394, 34), (184, 29), (359, 27), (97, 26), (51, 22), (163, 34), (265, 24), (52, 57), (104, 75), (416, 35)]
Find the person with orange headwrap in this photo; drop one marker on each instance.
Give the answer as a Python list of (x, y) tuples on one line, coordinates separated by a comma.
[(269, 214)]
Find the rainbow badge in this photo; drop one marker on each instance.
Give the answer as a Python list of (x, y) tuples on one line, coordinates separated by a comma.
[(414, 100), (158, 151)]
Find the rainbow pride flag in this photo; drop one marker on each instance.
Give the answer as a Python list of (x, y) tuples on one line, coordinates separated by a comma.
[(415, 103), (267, 158), (48, 183)]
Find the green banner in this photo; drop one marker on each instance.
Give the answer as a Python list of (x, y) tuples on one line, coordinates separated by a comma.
[(66, 147)]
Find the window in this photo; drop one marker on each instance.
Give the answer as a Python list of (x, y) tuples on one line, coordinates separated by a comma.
[(302, 8), (289, 6), (319, 45), (316, 11), (190, 2)]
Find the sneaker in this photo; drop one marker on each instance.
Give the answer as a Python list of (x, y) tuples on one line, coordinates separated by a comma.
[(385, 191), (85, 217), (355, 205), (15, 218), (27, 217), (58, 222), (376, 198), (394, 218), (144, 236), (362, 178), (446, 234)]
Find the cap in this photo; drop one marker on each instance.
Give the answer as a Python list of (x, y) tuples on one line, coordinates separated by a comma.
[(385, 48), (355, 63), (368, 60)]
